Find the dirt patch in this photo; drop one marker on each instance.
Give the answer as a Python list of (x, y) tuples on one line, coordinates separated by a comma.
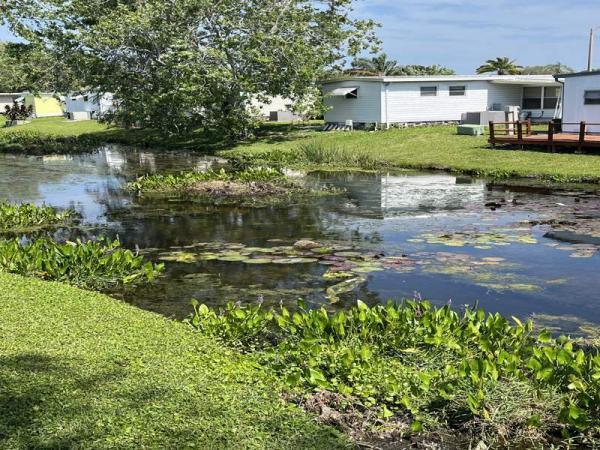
[(217, 188)]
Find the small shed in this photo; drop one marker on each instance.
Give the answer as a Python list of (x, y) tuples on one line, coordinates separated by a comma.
[(581, 101)]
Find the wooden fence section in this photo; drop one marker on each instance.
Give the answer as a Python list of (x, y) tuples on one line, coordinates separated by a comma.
[(520, 133)]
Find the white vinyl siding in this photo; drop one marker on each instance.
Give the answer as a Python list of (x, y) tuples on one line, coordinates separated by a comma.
[(405, 103), (365, 108), (574, 108)]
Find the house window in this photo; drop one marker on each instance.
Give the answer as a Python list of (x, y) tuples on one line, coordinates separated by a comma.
[(592, 98), (428, 91), (551, 95), (532, 98), (457, 90)]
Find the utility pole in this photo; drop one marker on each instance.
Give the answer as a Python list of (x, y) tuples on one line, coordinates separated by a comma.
[(591, 48)]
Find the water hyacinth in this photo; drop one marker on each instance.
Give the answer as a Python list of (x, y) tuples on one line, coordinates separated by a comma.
[(100, 264), (29, 216), (424, 365)]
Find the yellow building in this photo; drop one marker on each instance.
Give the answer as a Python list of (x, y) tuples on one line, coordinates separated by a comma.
[(44, 105)]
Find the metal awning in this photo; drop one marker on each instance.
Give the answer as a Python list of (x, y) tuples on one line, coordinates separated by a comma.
[(345, 91)]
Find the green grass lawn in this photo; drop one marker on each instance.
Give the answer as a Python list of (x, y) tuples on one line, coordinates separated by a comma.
[(81, 370), (422, 148)]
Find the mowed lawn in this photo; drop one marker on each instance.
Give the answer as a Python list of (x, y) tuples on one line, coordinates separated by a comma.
[(434, 148), (82, 370)]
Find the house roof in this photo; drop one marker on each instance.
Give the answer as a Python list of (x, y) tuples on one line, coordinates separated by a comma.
[(578, 74), (501, 79)]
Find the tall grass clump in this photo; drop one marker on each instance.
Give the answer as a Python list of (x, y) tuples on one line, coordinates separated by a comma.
[(100, 264), (331, 154), (474, 373), (29, 216)]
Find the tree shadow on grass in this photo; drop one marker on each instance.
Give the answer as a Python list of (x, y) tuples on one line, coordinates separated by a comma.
[(48, 402)]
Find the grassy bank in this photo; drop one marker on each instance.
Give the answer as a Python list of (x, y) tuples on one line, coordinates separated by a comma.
[(81, 370), (57, 134), (418, 148)]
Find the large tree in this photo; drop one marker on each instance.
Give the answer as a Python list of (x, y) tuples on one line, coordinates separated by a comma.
[(502, 66), (179, 64), (26, 67)]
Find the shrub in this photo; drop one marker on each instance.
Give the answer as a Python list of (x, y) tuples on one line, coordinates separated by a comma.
[(434, 365), (27, 216), (101, 264)]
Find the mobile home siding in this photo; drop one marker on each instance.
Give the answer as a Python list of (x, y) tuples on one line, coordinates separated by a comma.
[(405, 103), (366, 108), (574, 108)]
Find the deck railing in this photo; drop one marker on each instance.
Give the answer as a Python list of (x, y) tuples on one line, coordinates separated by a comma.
[(520, 133)]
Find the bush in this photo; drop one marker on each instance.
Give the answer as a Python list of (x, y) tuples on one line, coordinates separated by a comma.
[(101, 264), (432, 365), (28, 216)]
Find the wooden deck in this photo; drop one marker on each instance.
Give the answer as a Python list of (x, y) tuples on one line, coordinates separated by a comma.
[(521, 134)]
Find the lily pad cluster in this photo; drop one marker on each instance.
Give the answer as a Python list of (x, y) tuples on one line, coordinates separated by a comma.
[(483, 240), (484, 272), (346, 265), (577, 250)]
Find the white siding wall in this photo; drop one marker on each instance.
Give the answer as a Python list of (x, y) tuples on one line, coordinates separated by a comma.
[(405, 103), (574, 109), (7, 100), (364, 109)]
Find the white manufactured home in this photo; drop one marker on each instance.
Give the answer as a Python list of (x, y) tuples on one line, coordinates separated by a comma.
[(7, 99), (89, 105), (433, 99), (581, 101)]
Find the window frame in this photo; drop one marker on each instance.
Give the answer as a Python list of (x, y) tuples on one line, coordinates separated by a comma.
[(539, 98), (586, 101), (461, 92), (432, 89)]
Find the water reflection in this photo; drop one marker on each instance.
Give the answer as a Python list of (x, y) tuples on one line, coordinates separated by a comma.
[(541, 244)]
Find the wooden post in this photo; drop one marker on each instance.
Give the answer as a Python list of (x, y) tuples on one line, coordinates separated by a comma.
[(582, 128), (551, 136), (520, 133), (492, 134), (528, 127)]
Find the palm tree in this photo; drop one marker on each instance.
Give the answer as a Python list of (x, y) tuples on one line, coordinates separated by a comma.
[(502, 66), (378, 65)]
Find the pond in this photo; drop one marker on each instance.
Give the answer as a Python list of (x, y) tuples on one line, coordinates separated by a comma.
[(515, 248)]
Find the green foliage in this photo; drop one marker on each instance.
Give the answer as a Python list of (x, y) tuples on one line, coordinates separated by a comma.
[(82, 370), (28, 216), (418, 360), (501, 65), (27, 67), (93, 264), (183, 180), (549, 69), (189, 64), (382, 66)]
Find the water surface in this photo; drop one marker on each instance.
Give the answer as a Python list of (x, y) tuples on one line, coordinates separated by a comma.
[(514, 248)]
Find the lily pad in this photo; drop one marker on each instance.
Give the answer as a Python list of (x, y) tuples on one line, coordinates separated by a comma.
[(258, 261), (348, 254), (233, 258)]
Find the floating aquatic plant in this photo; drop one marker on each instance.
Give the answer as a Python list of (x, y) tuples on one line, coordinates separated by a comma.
[(27, 216)]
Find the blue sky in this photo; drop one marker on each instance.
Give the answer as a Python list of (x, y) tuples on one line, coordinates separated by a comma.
[(462, 34)]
